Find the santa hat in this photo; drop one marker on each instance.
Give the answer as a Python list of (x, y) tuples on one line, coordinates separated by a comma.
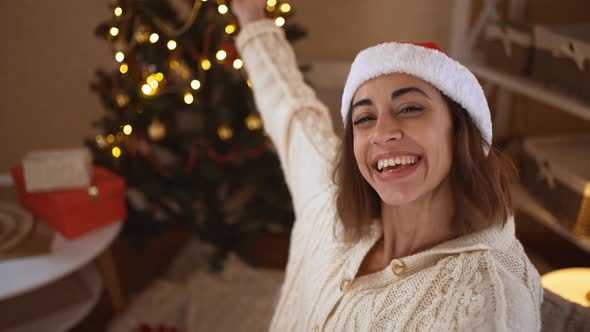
[(427, 62)]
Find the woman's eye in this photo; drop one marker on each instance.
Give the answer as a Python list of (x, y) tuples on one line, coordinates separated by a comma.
[(361, 120), (411, 109)]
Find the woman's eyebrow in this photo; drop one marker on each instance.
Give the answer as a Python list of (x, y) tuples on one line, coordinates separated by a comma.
[(402, 91), (362, 102)]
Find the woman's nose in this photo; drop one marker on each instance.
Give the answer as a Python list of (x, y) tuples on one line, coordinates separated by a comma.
[(386, 130)]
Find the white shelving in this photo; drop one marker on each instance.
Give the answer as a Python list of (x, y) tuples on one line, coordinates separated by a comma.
[(525, 202), (530, 88)]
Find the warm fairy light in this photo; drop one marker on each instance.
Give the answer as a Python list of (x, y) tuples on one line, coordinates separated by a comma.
[(221, 55), (154, 38), (253, 122), (147, 89), (127, 129), (195, 84), (101, 141), (118, 11), (285, 8), (230, 28), (206, 64), (225, 132), (222, 9), (270, 8), (188, 98), (159, 76), (119, 56), (249, 83), (271, 3), (111, 138), (123, 68), (154, 83), (171, 45), (114, 31), (280, 21), (238, 63), (116, 152)]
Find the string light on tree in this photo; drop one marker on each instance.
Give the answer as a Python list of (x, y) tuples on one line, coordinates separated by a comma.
[(271, 3), (119, 56), (238, 63), (123, 68), (171, 45), (285, 8), (280, 21), (101, 142), (111, 138), (230, 28), (127, 129), (116, 151), (147, 90), (221, 55), (195, 84), (152, 81), (205, 64), (225, 133), (141, 34), (114, 31), (159, 76), (222, 9), (154, 37), (156, 130), (118, 11), (188, 98)]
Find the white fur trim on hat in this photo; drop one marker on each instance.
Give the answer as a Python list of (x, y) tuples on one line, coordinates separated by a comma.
[(428, 64)]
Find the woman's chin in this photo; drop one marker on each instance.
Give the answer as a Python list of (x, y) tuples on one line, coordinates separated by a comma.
[(397, 198)]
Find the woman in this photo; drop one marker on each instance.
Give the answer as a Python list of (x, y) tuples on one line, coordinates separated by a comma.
[(415, 230)]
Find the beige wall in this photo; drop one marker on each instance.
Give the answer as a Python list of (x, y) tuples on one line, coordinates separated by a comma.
[(47, 58), (49, 55)]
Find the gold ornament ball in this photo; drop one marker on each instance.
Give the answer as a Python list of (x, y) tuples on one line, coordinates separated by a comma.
[(253, 121), (225, 132), (121, 99), (156, 130)]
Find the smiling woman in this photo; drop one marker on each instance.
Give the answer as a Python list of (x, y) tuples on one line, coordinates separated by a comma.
[(404, 223)]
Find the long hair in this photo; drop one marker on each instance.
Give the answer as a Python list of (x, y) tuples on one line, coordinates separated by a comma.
[(479, 184)]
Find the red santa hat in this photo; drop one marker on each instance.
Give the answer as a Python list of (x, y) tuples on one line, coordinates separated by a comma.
[(427, 62)]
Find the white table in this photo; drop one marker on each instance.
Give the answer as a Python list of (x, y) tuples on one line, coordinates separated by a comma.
[(21, 275)]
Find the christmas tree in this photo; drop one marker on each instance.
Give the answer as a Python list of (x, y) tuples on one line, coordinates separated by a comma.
[(181, 125)]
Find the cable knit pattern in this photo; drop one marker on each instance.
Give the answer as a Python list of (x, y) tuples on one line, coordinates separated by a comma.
[(478, 282)]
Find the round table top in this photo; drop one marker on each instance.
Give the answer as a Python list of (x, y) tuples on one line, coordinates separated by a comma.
[(20, 275), (572, 284)]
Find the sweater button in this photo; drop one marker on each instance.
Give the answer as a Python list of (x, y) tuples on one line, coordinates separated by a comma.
[(397, 266), (345, 285)]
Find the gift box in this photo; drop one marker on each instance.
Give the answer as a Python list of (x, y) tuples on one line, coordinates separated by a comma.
[(77, 211), (556, 171), (562, 57), (47, 170), (509, 46)]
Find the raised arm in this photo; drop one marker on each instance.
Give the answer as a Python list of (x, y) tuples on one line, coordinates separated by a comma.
[(296, 121)]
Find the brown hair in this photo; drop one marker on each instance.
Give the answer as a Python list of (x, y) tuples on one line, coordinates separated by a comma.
[(480, 184)]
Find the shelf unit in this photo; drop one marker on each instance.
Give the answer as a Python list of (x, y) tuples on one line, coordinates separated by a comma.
[(463, 39)]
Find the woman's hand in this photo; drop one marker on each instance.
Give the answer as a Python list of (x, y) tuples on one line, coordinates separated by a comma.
[(248, 10)]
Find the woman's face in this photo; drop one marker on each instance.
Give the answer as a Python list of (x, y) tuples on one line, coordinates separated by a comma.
[(402, 134)]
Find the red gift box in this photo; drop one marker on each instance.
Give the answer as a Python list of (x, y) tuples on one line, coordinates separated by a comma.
[(74, 212)]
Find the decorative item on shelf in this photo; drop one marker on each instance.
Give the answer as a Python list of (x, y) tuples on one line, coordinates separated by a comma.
[(509, 46), (75, 212), (556, 170), (46, 170), (573, 284), (562, 57)]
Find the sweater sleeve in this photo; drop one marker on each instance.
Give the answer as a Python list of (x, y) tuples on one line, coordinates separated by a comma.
[(296, 121)]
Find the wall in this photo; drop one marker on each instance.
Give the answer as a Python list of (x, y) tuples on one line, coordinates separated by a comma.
[(48, 56)]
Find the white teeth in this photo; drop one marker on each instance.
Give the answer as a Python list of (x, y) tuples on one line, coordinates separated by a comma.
[(402, 160)]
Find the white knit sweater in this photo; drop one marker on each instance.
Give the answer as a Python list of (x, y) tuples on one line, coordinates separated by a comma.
[(481, 281)]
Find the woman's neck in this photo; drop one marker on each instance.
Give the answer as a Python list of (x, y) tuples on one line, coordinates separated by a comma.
[(418, 225)]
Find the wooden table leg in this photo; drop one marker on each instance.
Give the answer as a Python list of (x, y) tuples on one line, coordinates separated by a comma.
[(110, 277)]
